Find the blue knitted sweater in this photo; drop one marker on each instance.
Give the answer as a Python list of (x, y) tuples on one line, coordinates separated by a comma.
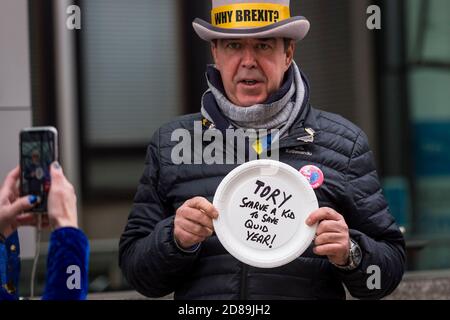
[(67, 266)]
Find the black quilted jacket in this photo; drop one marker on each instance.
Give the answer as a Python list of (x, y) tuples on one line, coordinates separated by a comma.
[(155, 267)]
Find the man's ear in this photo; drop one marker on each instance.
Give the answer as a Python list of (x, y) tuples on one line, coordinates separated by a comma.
[(290, 54), (214, 50)]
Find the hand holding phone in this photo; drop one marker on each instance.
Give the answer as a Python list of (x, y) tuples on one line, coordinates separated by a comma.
[(62, 200), (38, 149), (11, 206)]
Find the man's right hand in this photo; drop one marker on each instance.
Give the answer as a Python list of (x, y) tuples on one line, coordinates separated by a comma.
[(194, 222)]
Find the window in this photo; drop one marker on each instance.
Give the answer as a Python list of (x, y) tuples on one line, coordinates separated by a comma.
[(428, 75), (131, 84)]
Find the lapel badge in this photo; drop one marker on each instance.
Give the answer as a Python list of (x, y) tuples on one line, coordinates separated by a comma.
[(314, 175), (309, 138)]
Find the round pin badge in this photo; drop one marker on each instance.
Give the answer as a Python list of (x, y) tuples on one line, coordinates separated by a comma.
[(314, 175), (263, 206)]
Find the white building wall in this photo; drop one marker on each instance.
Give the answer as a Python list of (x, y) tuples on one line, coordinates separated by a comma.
[(15, 94)]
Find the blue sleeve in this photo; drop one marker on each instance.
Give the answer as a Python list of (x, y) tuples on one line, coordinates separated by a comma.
[(67, 265), (9, 267)]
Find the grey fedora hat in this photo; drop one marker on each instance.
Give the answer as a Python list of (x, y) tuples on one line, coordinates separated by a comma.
[(251, 19)]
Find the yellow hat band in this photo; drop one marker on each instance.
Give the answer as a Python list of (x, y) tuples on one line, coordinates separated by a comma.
[(248, 15)]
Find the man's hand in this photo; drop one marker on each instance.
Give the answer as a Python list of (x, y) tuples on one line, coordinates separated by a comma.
[(193, 222), (332, 237)]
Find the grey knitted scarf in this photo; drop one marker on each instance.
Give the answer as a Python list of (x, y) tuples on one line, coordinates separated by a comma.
[(279, 115)]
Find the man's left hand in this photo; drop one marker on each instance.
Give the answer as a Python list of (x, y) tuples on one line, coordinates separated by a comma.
[(332, 237)]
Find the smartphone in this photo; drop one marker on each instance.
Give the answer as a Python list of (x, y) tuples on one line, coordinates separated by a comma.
[(38, 149)]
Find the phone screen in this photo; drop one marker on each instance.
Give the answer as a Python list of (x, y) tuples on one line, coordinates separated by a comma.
[(38, 151)]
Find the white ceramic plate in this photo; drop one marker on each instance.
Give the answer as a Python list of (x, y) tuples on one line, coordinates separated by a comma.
[(263, 205)]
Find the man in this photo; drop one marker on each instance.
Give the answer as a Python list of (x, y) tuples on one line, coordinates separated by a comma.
[(169, 243), (36, 175)]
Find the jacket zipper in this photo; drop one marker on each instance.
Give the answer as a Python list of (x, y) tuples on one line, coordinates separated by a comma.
[(244, 282)]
